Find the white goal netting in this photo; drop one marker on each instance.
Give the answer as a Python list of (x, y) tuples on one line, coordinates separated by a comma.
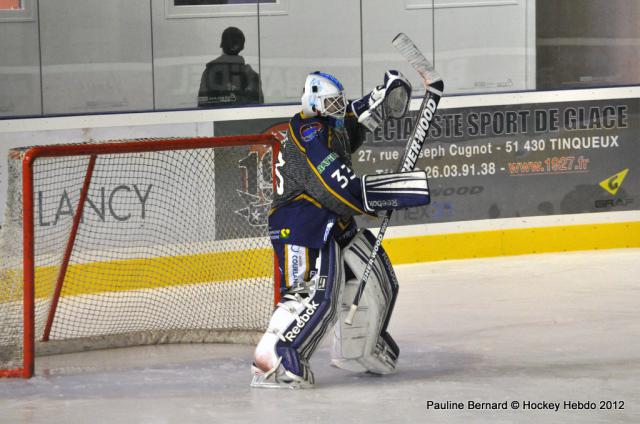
[(172, 246)]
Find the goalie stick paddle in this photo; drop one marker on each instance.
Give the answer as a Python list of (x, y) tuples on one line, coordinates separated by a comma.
[(434, 89)]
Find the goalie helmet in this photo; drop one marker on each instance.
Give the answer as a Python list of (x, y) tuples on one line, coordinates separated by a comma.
[(323, 95)]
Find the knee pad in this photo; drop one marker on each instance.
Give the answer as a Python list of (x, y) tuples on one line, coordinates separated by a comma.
[(366, 345), (299, 323)]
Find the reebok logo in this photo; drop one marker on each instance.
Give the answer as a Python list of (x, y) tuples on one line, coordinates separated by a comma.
[(613, 183), (383, 203), (302, 321)]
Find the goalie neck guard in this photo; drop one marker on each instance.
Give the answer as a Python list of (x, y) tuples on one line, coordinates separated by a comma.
[(323, 95)]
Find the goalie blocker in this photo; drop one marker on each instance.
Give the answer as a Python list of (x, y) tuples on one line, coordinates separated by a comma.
[(394, 191)]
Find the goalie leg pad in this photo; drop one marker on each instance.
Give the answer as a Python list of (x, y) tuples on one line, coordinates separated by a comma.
[(299, 323), (366, 345)]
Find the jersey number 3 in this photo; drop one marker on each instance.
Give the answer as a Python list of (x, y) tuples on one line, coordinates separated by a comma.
[(343, 180)]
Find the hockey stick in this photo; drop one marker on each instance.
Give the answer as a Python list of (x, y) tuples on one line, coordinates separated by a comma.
[(434, 89)]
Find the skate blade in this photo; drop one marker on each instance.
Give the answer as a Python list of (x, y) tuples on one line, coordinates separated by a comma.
[(259, 382)]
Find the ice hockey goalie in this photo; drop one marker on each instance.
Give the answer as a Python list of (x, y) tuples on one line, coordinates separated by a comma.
[(320, 252)]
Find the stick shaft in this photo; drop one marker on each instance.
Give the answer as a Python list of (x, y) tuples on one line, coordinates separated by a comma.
[(434, 87)]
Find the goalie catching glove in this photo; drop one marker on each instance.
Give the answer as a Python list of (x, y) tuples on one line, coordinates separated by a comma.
[(389, 100)]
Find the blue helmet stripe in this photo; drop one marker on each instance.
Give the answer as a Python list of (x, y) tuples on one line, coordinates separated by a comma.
[(332, 79)]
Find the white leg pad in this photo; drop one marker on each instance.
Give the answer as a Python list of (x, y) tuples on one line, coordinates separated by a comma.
[(364, 345), (284, 315)]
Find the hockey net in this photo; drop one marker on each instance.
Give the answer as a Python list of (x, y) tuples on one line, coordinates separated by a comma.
[(135, 242)]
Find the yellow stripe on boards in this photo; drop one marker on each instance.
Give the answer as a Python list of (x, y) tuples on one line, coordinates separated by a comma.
[(136, 274), (520, 241), (132, 274)]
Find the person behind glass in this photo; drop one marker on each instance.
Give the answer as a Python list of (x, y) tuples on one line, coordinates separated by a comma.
[(227, 80)]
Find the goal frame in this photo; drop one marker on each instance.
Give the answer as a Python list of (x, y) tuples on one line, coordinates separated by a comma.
[(31, 155)]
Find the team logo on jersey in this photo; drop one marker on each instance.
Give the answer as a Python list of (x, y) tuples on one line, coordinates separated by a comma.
[(309, 131), (285, 233)]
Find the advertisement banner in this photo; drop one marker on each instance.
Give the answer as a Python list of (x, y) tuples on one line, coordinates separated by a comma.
[(509, 161)]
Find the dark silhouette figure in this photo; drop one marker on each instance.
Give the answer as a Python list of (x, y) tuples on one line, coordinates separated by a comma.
[(227, 80)]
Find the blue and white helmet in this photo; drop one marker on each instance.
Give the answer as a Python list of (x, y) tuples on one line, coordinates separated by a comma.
[(323, 95)]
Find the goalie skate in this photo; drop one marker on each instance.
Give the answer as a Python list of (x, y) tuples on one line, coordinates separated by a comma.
[(280, 378)]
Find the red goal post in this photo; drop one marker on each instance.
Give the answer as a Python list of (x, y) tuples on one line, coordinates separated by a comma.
[(182, 249)]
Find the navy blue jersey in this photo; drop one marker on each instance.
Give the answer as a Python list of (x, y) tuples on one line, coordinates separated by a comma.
[(317, 192)]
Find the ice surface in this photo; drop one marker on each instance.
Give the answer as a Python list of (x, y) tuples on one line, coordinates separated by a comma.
[(549, 327)]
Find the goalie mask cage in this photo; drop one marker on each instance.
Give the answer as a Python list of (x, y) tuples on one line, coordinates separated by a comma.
[(131, 242)]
